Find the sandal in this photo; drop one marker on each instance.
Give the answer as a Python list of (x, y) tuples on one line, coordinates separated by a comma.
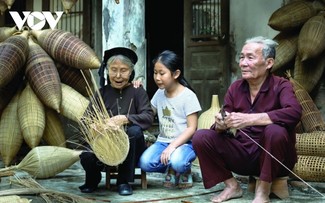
[(171, 180), (185, 181)]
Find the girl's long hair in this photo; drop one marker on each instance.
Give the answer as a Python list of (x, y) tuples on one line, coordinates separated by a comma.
[(173, 62)]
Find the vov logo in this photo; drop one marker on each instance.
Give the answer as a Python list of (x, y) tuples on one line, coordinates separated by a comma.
[(36, 20)]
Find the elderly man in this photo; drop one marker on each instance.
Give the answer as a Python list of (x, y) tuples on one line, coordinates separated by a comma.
[(264, 110)]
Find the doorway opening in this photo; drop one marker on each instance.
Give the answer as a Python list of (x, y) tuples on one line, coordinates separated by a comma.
[(164, 24)]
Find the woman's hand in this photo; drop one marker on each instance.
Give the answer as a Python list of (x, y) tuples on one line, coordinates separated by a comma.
[(165, 155), (119, 120), (137, 83)]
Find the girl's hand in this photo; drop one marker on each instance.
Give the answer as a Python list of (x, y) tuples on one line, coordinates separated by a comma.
[(165, 155), (137, 83)]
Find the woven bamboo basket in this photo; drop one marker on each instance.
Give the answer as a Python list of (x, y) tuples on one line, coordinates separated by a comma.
[(311, 144), (11, 138), (310, 168), (46, 161), (73, 103), (311, 118), (68, 4), (66, 48), (31, 116), (3, 7), (207, 118), (310, 36), (13, 199), (13, 54), (286, 50), (6, 32), (8, 3), (8, 91), (308, 73), (53, 132), (74, 78), (293, 15), (43, 76)]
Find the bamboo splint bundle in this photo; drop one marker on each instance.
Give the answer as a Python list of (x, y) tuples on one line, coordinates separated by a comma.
[(108, 140), (46, 161)]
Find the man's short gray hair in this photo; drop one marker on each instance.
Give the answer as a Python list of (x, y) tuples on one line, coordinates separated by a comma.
[(268, 50)]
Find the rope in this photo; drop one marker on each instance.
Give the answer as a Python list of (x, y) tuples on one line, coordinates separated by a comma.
[(281, 163)]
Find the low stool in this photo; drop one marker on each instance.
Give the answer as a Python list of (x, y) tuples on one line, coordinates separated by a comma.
[(111, 173), (279, 186)]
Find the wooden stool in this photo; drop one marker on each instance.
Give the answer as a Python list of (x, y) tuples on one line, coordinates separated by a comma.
[(111, 173), (279, 186)]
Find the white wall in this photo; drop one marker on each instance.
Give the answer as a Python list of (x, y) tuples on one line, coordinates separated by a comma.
[(249, 18)]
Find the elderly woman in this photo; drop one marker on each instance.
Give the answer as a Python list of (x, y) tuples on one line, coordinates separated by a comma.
[(264, 110), (127, 105)]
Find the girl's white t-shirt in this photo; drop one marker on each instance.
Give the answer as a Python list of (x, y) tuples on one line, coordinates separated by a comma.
[(172, 112)]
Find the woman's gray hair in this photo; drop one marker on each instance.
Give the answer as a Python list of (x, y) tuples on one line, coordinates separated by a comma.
[(268, 50), (123, 59)]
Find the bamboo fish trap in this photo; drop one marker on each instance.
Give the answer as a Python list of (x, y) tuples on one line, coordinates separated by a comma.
[(74, 78), (293, 15), (66, 48), (53, 132), (43, 76), (13, 54), (286, 50), (11, 138), (46, 161), (6, 32), (68, 4), (73, 103), (310, 37), (308, 73), (31, 115), (108, 140)]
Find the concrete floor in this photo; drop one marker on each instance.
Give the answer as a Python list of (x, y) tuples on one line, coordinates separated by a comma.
[(69, 180)]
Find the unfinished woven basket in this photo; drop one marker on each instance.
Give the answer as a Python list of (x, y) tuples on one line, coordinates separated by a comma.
[(311, 144), (310, 168)]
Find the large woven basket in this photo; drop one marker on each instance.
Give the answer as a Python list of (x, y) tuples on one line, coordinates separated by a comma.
[(73, 104), (6, 32), (66, 48), (74, 78), (311, 144), (308, 73), (310, 168), (293, 15), (13, 54), (31, 115), (207, 118), (286, 50), (53, 132), (11, 138), (310, 36), (43, 76)]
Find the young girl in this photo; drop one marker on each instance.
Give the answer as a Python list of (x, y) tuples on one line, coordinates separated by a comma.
[(177, 107)]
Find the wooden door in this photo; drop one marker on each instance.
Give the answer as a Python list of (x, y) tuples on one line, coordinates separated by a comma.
[(206, 48)]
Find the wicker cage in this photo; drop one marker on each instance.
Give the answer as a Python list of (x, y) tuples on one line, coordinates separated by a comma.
[(311, 144), (310, 168)]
